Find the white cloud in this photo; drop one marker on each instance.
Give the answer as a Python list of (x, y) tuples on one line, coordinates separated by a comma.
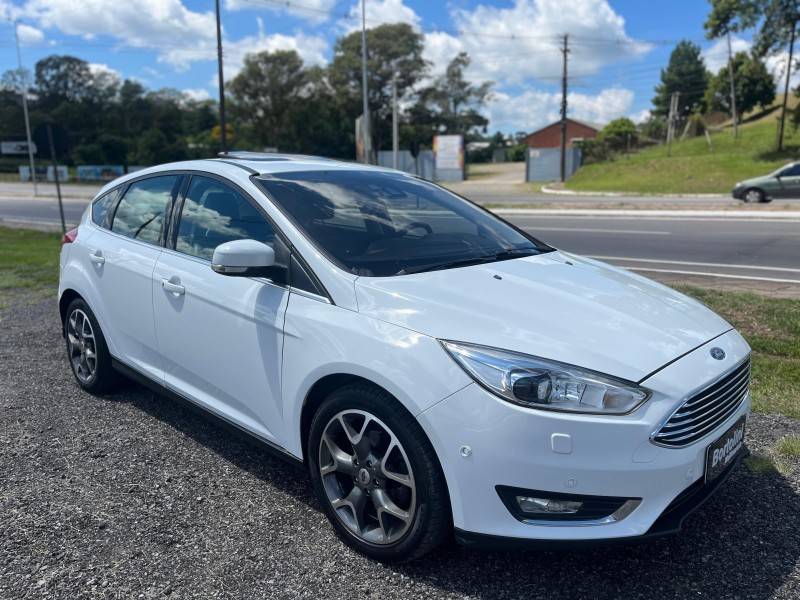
[(165, 25), (28, 36), (103, 70), (178, 35), (197, 94), (510, 45), (379, 12), (312, 49), (533, 109), (313, 11), (716, 55), (777, 66), (640, 116)]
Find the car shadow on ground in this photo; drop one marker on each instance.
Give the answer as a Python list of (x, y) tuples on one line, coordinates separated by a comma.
[(743, 543)]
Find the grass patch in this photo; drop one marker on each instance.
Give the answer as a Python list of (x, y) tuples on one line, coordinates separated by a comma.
[(789, 446), (760, 464), (28, 261), (772, 328), (693, 168)]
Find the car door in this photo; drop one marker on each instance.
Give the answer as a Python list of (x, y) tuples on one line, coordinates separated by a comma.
[(220, 337), (789, 182), (122, 260)]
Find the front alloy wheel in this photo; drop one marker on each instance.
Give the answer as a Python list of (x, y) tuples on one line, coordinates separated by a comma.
[(754, 195), (377, 475), (367, 477)]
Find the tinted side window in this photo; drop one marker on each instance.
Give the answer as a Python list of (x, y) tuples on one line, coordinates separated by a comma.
[(103, 207), (792, 171), (214, 213), (141, 211)]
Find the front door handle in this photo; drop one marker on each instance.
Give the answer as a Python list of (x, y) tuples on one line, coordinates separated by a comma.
[(97, 257), (173, 287)]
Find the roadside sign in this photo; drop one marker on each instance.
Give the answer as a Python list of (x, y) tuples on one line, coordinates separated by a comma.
[(16, 147), (449, 152), (44, 173)]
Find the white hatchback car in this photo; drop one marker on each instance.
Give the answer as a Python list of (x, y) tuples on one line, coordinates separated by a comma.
[(435, 367)]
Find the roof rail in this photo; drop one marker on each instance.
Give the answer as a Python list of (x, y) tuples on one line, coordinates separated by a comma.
[(246, 155), (269, 156)]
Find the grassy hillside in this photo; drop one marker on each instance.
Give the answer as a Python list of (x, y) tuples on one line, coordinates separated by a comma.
[(693, 167)]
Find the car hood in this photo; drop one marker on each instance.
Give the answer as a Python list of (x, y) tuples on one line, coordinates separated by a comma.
[(760, 180), (554, 305)]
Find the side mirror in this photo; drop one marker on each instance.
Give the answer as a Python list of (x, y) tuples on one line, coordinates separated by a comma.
[(244, 258)]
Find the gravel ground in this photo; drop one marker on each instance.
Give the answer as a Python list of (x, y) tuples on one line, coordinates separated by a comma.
[(133, 496)]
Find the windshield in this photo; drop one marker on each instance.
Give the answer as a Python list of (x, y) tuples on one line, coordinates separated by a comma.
[(378, 224)]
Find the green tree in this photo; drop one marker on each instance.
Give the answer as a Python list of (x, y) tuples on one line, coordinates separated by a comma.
[(456, 101), (728, 16), (451, 104), (265, 93), (686, 74), (620, 134), (394, 54), (754, 85), (62, 78)]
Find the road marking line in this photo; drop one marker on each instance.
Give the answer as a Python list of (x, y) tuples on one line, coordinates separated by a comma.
[(624, 231), (695, 264), (721, 275)]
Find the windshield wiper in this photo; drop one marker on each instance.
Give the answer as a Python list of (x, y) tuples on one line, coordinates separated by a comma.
[(465, 262)]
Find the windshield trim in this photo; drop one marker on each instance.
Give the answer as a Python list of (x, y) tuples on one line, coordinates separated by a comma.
[(257, 178)]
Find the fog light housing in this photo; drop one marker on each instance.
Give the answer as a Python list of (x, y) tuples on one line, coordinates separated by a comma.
[(538, 506), (547, 506)]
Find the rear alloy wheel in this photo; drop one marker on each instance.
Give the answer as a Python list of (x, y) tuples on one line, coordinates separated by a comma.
[(377, 475), (754, 195), (82, 346), (88, 354)]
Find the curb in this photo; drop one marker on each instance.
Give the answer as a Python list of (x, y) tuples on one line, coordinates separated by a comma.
[(777, 215), (546, 189)]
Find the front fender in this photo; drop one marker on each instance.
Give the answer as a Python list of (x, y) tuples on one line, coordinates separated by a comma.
[(322, 339)]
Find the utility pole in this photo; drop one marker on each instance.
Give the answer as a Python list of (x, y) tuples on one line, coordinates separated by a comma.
[(786, 87), (673, 116), (223, 132), (55, 175), (733, 90), (565, 53), (365, 128), (395, 136), (23, 90)]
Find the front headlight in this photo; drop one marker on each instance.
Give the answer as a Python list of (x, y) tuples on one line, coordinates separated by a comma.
[(544, 384)]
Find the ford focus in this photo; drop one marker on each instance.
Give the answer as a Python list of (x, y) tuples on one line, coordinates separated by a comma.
[(438, 371)]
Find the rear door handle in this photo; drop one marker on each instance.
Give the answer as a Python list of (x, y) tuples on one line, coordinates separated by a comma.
[(172, 287), (97, 257)]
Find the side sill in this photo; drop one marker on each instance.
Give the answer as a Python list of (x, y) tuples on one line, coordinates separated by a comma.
[(162, 390)]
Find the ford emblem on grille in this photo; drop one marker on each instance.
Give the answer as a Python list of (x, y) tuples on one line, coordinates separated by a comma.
[(717, 353)]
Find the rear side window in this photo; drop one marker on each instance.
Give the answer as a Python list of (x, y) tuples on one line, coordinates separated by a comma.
[(103, 208), (214, 213), (141, 211)]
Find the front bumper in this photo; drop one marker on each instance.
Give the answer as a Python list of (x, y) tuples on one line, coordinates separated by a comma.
[(509, 445), (738, 192)]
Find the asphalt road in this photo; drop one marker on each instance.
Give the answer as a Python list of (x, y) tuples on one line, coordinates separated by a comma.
[(738, 250), (132, 495), (742, 249)]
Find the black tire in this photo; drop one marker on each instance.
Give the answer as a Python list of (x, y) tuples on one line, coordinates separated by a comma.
[(754, 195), (104, 378), (432, 522)]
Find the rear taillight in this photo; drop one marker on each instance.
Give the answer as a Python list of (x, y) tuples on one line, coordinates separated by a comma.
[(70, 236)]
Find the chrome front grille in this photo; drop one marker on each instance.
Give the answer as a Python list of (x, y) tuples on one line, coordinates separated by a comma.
[(707, 409)]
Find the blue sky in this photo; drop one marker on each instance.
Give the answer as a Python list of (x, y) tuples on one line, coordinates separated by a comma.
[(618, 45)]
